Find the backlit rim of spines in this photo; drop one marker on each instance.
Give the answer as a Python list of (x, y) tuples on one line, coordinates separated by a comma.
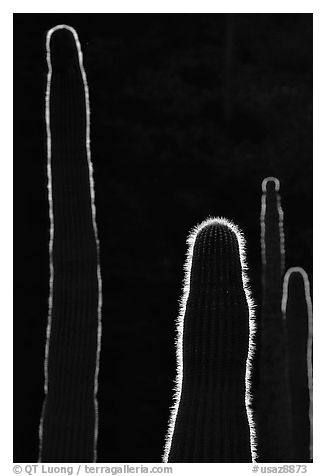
[(305, 278), (51, 216), (179, 331), (277, 187)]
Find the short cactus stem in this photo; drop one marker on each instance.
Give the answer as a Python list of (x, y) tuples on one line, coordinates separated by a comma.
[(297, 314), (211, 419)]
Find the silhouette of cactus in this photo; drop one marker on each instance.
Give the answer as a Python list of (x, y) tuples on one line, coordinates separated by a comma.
[(273, 405), (211, 419), (297, 313), (68, 427)]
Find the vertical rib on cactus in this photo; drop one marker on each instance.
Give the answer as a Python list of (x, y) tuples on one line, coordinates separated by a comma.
[(273, 422), (297, 313), (211, 419), (69, 422)]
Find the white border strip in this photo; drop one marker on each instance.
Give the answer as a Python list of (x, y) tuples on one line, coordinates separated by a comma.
[(305, 279), (180, 6), (51, 215), (179, 333)]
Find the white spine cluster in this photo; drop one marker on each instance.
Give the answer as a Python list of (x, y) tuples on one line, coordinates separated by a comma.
[(179, 332), (305, 279), (52, 224)]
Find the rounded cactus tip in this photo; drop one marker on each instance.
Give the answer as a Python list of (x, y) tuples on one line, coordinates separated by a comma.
[(295, 275), (63, 44), (296, 270), (220, 225), (270, 183), (217, 223)]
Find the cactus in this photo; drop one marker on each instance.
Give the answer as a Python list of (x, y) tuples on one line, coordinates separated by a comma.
[(69, 421), (273, 405), (211, 419), (297, 314)]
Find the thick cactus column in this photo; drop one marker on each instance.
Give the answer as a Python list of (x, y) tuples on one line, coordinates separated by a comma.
[(211, 419), (69, 422), (273, 410), (297, 313)]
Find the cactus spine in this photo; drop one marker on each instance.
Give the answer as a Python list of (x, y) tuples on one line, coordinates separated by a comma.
[(273, 410), (69, 421), (297, 313), (211, 419)]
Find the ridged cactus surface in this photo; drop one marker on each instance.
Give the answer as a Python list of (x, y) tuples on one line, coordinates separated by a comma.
[(297, 313), (210, 421), (273, 402), (68, 428)]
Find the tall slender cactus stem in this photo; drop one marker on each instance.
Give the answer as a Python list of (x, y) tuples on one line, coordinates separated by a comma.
[(69, 422)]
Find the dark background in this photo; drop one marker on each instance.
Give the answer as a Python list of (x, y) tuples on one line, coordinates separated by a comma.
[(189, 112)]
